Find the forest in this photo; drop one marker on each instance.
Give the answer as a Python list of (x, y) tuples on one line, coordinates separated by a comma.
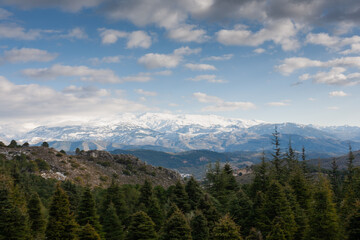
[(286, 199)]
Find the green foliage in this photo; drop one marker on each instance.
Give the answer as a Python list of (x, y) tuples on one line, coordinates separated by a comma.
[(177, 227), (324, 221), (193, 191), (88, 232), (241, 211), (199, 227), (36, 217), (180, 197), (45, 144), (13, 144), (13, 221), (226, 229), (141, 227), (111, 224), (42, 165), (353, 226), (87, 211), (61, 223)]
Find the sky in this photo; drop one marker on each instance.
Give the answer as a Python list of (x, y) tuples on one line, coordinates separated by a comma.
[(271, 60)]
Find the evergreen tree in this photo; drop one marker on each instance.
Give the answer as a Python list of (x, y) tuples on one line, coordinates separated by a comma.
[(114, 195), (254, 235), (241, 211), (303, 162), (261, 180), (353, 226), (324, 222), (88, 232), (335, 181), (13, 144), (226, 229), (146, 194), (73, 193), (37, 220), (87, 211), (350, 165), (301, 188), (13, 222), (180, 197), (208, 209), (193, 191), (199, 227), (277, 205), (45, 144), (277, 160), (141, 227), (61, 224), (176, 227), (150, 204), (111, 224), (277, 231)]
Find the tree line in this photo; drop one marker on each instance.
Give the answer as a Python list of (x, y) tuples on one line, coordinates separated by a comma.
[(285, 199)]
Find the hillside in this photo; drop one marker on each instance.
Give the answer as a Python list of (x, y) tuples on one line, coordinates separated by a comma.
[(94, 168), (341, 161)]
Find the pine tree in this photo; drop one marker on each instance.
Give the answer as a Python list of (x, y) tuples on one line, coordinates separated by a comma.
[(88, 232), (194, 192), (176, 227), (151, 206), (350, 165), (141, 227), (324, 222), (37, 220), (241, 211), (301, 188), (277, 232), (180, 197), (87, 211), (199, 227), (115, 196), (208, 209), (261, 180), (61, 224), (254, 235), (303, 162), (111, 224), (353, 225), (335, 181), (13, 222), (277, 205), (226, 229), (277, 160)]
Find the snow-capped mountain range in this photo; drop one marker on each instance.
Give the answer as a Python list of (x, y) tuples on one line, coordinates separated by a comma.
[(170, 132)]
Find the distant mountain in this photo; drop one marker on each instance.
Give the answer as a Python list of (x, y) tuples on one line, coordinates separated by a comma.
[(177, 133)]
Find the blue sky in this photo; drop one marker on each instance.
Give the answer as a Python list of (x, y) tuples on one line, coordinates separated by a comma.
[(276, 61)]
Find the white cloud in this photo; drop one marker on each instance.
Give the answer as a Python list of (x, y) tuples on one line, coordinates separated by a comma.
[(208, 78), (22, 103), (156, 60), (138, 39), (219, 104), (4, 14), (66, 5), (335, 108), (13, 31), (200, 67), (145, 93), (336, 76), (188, 33), (259, 50), (108, 59), (134, 39), (335, 42), (219, 58), (282, 32), (338, 94), (312, 99), (27, 55), (85, 73), (279, 104), (289, 65), (75, 33)]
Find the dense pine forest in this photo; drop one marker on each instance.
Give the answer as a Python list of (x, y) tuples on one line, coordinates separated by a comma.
[(285, 200)]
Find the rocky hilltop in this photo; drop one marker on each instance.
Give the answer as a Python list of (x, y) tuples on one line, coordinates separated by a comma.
[(92, 168)]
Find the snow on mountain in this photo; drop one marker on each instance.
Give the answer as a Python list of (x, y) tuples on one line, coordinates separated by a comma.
[(190, 132)]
